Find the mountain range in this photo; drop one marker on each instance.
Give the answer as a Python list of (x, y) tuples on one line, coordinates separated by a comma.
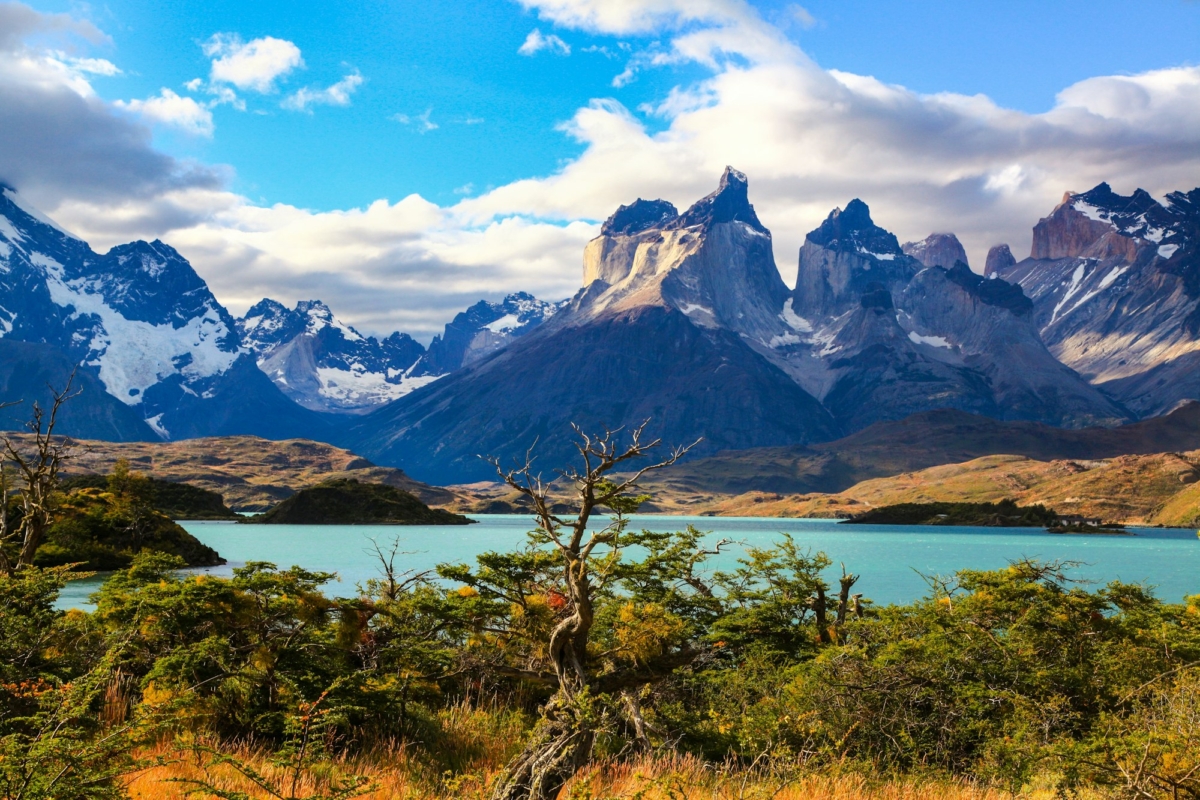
[(682, 318)]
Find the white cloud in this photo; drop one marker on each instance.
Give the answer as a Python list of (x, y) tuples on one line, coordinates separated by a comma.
[(420, 122), (535, 42), (254, 65), (168, 108), (336, 95), (810, 139)]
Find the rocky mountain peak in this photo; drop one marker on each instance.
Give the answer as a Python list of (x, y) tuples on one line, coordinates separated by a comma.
[(937, 250), (638, 216), (852, 230), (999, 258), (729, 203)]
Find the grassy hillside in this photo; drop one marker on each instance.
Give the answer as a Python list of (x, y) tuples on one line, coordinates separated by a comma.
[(1157, 489)]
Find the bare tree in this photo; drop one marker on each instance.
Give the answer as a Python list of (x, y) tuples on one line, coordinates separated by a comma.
[(37, 468), (562, 742)]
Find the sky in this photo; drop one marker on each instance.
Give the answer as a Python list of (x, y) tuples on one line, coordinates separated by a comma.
[(401, 160)]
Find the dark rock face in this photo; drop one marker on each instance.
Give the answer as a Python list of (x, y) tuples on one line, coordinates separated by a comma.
[(638, 216), (1115, 283), (483, 329), (937, 250), (28, 369), (847, 253), (993, 291), (953, 340), (621, 369), (729, 203), (999, 258), (324, 364)]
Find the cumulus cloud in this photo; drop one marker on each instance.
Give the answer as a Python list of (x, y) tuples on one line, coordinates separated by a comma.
[(536, 42), (336, 95), (170, 109), (809, 138), (255, 65)]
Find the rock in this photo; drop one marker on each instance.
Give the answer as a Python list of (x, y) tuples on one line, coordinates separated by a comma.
[(638, 216), (999, 258), (1115, 282), (937, 250)]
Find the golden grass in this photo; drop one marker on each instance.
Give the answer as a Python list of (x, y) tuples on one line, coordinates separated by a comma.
[(478, 741), (400, 776)]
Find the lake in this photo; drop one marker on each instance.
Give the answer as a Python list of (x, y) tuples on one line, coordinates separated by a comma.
[(888, 557)]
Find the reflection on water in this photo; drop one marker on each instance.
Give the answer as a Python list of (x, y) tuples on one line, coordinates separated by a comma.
[(890, 558)]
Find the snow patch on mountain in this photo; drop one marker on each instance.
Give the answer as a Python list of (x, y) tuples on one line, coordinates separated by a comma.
[(936, 341), (132, 355)]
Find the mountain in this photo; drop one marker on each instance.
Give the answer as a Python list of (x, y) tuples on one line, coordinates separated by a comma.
[(937, 250), (324, 364), (1115, 283), (480, 331), (141, 324), (683, 318), (877, 334), (661, 330)]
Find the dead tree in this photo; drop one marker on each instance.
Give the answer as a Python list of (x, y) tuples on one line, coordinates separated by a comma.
[(561, 743), (37, 468)]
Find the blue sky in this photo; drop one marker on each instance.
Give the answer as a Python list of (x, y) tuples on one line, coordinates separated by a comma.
[(401, 160), (497, 111)]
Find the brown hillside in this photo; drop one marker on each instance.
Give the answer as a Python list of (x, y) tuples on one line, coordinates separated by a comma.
[(252, 474), (916, 443), (1156, 489)]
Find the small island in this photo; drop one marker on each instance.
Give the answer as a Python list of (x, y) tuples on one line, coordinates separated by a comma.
[(346, 501), (1004, 514), (173, 499)]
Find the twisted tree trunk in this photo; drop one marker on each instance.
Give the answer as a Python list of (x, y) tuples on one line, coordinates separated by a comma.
[(562, 742)]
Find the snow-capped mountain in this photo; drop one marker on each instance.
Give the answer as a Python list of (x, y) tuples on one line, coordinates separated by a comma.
[(141, 321), (1115, 283), (481, 330), (324, 364)]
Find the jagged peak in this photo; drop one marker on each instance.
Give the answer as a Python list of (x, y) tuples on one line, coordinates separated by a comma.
[(638, 216), (314, 308), (266, 307), (729, 203), (853, 229)]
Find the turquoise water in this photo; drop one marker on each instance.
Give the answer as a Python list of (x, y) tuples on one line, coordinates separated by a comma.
[(888, 557)]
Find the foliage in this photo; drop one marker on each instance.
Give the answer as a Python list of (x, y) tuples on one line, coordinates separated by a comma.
[(590, 641), (1005, 513)]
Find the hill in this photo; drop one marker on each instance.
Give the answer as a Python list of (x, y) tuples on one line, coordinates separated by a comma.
[(100, 530), (346, 501), (250, 473), (1155, 489), (169, 498), (923, 440)]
